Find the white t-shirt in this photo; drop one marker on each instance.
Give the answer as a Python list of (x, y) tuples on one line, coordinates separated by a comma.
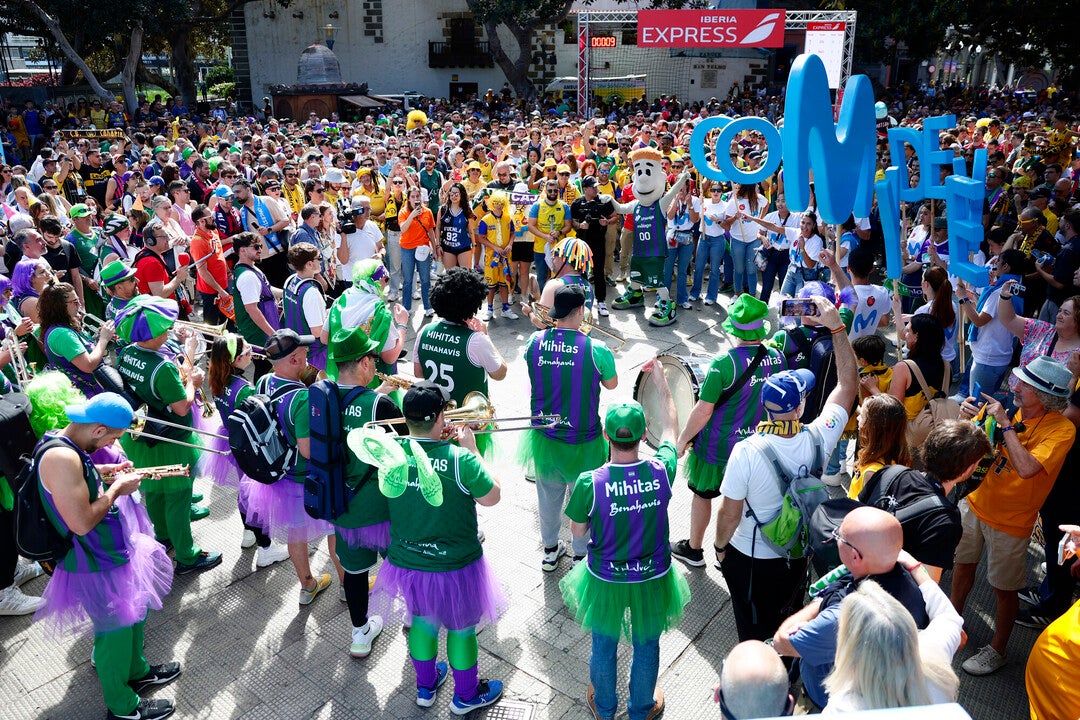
[(781, 241), (363, 244), (681, 221), (744, 230), (948, 350), (750, 475), (250, 287), (814, 245), (993, 344), (714, 207), (314, 306), (874, 302)]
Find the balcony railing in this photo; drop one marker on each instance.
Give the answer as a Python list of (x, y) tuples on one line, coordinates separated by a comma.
[(451, 54)]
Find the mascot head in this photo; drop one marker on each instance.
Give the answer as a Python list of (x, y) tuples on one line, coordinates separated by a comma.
[(416, 119), (649, 178)]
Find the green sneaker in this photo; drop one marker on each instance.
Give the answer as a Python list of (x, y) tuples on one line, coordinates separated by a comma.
[(664, 315), (198, 512), (629, 299)]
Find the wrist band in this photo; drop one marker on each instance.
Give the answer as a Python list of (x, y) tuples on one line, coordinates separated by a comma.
[(719, 549), (838, 330), (1007, 428), (914, 567)]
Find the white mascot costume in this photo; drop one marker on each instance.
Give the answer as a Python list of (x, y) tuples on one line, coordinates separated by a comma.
[(649, 208)]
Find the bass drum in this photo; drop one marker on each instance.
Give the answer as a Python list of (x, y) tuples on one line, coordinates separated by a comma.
[(685, 375)]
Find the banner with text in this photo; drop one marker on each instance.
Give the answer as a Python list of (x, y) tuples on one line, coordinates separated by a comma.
[(826, 40), (710, 28)]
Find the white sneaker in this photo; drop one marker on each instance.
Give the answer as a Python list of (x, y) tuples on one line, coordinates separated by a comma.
[(26, 572), (430, 312), (551, 558), (487, 314), (247, 539), (686, 305), (14, 602), (706, 301), (984, 662), (831, 480), (416, 294), (363, 637), (509, 313), (602, 309), (267, 556)]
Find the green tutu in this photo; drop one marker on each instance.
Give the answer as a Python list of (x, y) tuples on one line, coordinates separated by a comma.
[(700, 475), (163, 453), (556, 461), (634, 612)]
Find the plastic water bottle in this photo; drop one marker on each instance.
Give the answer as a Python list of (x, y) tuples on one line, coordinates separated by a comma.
[(832, 576)]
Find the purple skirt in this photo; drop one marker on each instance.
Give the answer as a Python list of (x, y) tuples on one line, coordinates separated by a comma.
[(279, 510), (113, 599), (375, 537), (220, 468), (456, 599)]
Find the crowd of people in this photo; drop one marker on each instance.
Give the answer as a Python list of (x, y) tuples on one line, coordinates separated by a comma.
[(192, 271)]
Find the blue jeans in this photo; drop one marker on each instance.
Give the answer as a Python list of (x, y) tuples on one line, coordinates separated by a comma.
[(542, 270), (775, 271), (728, 270), (644, 669), (988, 378), (410, 264), (793, 281), (742, 258), (682, 253), (710, 251)]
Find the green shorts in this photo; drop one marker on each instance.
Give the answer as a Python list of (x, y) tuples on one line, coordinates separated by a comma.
[(355, 560), (648, 271)]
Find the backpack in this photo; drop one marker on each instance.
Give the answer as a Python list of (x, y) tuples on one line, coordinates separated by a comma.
[(939, 407), (18, 434), (822, 362), (878, 494), (257, 435), (36, 537), (326, 494), (789, 532)]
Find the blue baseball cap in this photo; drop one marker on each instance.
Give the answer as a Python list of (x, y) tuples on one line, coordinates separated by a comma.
[(108, 409), (785, 390), (157, 180), (223, 191)]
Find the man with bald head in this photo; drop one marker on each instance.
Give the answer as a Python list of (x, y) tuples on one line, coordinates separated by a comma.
[(868, 541), (753, 683)]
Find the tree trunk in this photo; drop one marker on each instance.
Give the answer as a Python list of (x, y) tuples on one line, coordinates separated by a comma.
[(146, 75), (183, 63), (131, 65), (65, 47), (516, 70)]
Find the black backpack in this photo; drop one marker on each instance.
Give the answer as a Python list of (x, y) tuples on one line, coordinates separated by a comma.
[(19, 437), (822, 362), (878, 494), (35, 535), (326, 495), (257, 435)]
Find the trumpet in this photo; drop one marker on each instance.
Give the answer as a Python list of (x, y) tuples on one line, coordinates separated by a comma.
[(478, 410), (24, 373), (150, 473), (142, 417), (210, 331), (92, 323), (397, 381), (587, 325)]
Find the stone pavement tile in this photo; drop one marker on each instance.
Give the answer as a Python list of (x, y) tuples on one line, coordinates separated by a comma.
[(76, 693), (282, 687), (261, 712), (334, 710)]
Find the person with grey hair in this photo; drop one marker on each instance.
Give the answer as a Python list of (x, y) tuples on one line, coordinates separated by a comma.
[(999, 515), (753, 683)]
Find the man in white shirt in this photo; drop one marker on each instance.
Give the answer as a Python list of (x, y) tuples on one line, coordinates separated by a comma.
[(363, 243), (765, 587)]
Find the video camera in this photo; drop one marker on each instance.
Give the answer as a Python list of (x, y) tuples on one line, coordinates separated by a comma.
[(346, 215)]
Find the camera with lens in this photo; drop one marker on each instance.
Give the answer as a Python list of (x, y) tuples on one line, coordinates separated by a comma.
[(346, 216)]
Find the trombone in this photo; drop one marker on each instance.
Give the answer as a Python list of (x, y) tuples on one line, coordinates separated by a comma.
[(150, 473), (478, 410), (587, 325), (142, 417), (24, 372)]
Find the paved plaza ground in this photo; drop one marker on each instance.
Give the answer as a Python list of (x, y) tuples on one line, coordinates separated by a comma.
[(249, 651)]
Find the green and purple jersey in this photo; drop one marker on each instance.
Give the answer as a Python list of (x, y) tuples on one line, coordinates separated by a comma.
[(565, 371)]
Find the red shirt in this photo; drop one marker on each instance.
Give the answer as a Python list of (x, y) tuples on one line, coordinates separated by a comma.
[(208, 245), (151, 268)]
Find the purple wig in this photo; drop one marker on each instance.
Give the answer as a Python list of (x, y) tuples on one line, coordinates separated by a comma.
[(23, 275)]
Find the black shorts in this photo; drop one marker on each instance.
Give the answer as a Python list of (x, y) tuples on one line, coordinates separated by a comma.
[(455, 250), (704, 494), (521, 252)]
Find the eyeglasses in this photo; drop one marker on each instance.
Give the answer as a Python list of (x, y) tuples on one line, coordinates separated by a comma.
[(402, 182), (290, 175), (317, 190), (838, 538), (50, 187)]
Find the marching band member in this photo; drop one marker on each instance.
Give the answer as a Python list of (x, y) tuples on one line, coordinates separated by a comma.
[(120, 283), (155, 379), (113, 574), (436, 563), (254, 300), (303, 303), (572, 263), (566, 370), (728, 409), (455, 351), (279, 507), (65, 346)]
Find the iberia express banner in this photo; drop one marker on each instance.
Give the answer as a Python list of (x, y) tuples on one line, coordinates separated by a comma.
[(710, 28)]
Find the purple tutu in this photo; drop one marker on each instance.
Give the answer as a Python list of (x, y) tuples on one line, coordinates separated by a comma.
[(110, 600), (221, 468), (456, 599), (279, 510), (375, 537)]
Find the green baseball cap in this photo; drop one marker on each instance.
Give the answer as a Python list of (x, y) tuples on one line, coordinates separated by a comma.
[(160, 149), (79, 210), (625, 422)]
